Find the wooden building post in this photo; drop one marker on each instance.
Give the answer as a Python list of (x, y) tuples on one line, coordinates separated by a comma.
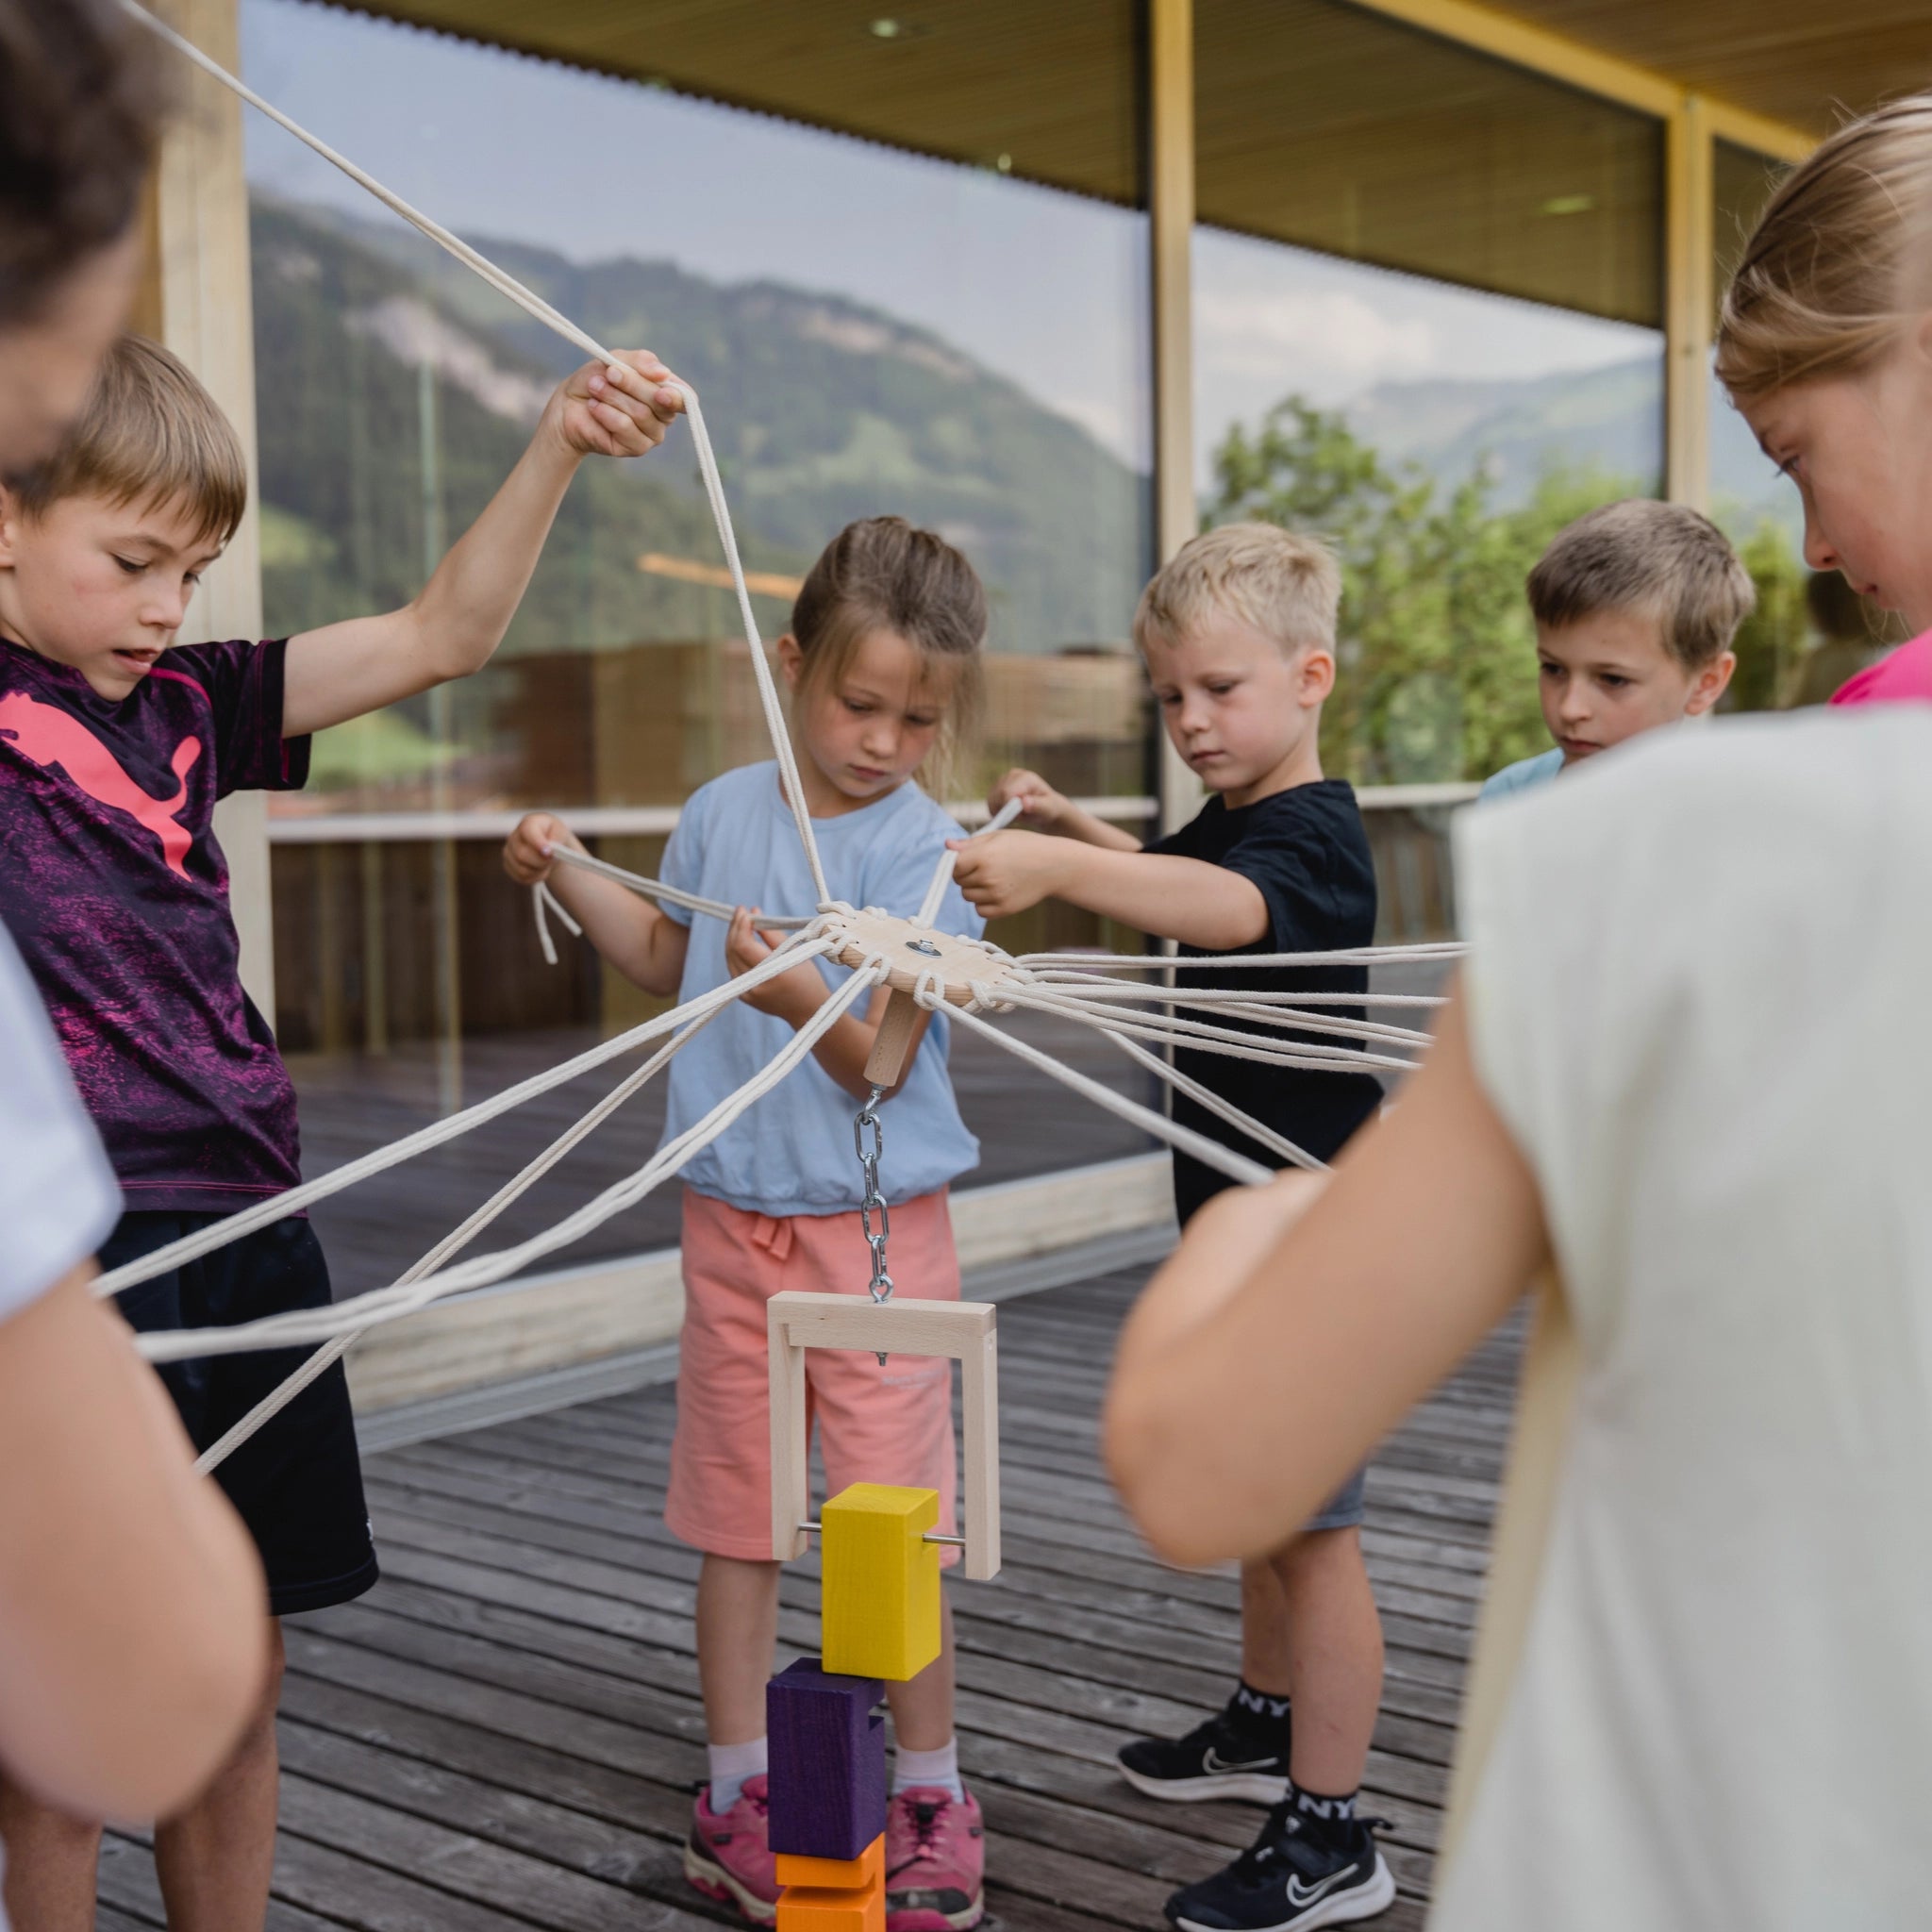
[(1170, 211), (1690, 302), (196, 300)]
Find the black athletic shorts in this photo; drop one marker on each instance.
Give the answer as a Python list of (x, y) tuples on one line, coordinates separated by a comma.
[(297, 1482)]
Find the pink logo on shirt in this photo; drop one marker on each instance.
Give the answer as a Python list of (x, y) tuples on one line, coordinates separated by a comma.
[(50, 735)]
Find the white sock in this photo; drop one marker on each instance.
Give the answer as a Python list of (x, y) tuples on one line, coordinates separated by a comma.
[(941, 1767), (731, 1764)]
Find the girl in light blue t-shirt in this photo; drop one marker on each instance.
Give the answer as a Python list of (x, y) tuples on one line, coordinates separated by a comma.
[(883, 662)]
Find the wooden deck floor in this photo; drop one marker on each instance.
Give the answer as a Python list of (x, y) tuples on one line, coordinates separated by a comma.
[(504, 1734)]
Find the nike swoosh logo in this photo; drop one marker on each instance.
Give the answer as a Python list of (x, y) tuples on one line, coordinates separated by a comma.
[(1298, 1895), (1215, 1761)]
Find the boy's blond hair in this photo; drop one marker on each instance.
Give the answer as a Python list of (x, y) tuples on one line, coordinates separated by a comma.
[(149, 435), (1288, 586), (1656, 560)]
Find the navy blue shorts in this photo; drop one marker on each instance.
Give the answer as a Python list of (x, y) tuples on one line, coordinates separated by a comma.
[(1194, 1186), (297, 1482)]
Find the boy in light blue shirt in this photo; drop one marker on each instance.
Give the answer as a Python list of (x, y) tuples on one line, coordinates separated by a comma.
[(1636, 606)]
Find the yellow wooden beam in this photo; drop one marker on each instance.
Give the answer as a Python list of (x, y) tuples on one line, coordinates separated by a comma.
[(1171, 210), (1580, 66), (1690, 276)]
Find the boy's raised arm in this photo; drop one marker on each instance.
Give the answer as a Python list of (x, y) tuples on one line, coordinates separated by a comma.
[(459, 619), (1157, 893)]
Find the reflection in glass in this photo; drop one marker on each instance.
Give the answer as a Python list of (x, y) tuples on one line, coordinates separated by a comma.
[(873, 332)]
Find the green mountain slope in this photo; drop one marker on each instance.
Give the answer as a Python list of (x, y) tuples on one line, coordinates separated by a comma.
[(822, 410)]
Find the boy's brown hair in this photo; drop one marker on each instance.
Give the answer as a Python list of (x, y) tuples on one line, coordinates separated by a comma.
[(884, 573), (1287, 585), (1656, 559), (79, 109), (150, 435)]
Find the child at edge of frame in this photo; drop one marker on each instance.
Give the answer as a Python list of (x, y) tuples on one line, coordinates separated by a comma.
[(883, 666), (1238, 637), (116, 744)]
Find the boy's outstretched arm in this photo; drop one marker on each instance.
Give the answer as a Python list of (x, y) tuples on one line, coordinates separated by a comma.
[(1319, 1310), (1173, 898), (645, 946), (461, 615)]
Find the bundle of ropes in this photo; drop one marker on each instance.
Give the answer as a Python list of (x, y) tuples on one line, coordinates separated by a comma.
[(1130, 1001)]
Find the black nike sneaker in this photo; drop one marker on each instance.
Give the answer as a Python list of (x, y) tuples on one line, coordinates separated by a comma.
[(1221, 1758), (1301, 1873)]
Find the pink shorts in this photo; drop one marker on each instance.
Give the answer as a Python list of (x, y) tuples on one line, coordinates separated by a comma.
[(891, 1424)]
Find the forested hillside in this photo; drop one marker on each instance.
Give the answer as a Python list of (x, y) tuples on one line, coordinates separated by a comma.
[(822, 410)]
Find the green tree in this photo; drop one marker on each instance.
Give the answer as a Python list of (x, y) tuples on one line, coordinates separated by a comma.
[(1437, 657)]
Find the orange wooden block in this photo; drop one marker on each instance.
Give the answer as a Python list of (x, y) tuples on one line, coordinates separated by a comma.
[(835, 1874), (825, 1908)]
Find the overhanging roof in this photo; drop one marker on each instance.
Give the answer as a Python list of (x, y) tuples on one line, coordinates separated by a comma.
[(1338, 126)]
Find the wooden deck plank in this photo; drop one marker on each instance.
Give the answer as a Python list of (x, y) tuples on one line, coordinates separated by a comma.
[(505, 1732)]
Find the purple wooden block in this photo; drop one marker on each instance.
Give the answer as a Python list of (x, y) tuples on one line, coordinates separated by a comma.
[(827, 1762)]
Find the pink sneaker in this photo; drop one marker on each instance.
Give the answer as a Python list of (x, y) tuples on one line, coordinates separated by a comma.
[(935, 1862), (729, 1858)]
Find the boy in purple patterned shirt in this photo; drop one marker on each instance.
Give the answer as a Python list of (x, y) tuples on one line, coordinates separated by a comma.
[(114, 745)]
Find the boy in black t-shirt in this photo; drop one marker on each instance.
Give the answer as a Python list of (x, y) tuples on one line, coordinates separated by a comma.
[(1238, 634)]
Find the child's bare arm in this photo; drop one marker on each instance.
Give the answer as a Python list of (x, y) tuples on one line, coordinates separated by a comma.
[(1319, 1315), (645, 946), (1157, 893), (1048, 811), (796, 996), (133, 1616), (461, 615)]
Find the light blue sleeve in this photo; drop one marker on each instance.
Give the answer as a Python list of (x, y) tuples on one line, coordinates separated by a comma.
[(681, 854), (58, 1197), (1525, 775)]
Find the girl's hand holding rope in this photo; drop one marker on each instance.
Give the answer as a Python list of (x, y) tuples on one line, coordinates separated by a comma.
[(623, 409), (792, 996), (526, 853)]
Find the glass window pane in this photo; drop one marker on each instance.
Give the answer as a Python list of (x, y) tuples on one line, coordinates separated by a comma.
[(1436, 425), (1325, 126), (857, 324)]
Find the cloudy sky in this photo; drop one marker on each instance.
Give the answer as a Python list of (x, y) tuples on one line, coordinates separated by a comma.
[(1043, 286)]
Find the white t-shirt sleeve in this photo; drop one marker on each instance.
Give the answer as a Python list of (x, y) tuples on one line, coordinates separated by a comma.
[(59, 1198)]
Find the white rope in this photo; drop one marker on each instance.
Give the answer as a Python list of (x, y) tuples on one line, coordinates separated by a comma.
[(672, 895), (1242, 962), (233, 1227), (1206, 1096), (534, 304), (942, 872), (1101, 987), (302, 1328), (1271, 1009), (1209, 1153), (541, 896), (1197, 1033), (453, 1244)]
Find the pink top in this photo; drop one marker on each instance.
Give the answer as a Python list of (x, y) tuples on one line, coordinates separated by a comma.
[(1905, 673)]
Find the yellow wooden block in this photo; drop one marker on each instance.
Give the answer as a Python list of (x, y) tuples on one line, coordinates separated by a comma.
[(829, 1908), (881, 1581), (835, 1874)]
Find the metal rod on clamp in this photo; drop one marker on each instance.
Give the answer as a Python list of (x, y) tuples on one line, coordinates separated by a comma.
[(932, 1535)]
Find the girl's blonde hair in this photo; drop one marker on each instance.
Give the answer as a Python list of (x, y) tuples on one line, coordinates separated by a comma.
[(883, 574), (1831, 273)]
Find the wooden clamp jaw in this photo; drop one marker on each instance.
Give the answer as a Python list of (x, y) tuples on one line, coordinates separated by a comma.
[(964, 1331)]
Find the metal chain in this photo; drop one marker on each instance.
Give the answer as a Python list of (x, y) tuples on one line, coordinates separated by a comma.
[(881, 1283), (869, 1166)]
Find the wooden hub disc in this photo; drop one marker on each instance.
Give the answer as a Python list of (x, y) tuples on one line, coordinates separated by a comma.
[(910, 952)]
